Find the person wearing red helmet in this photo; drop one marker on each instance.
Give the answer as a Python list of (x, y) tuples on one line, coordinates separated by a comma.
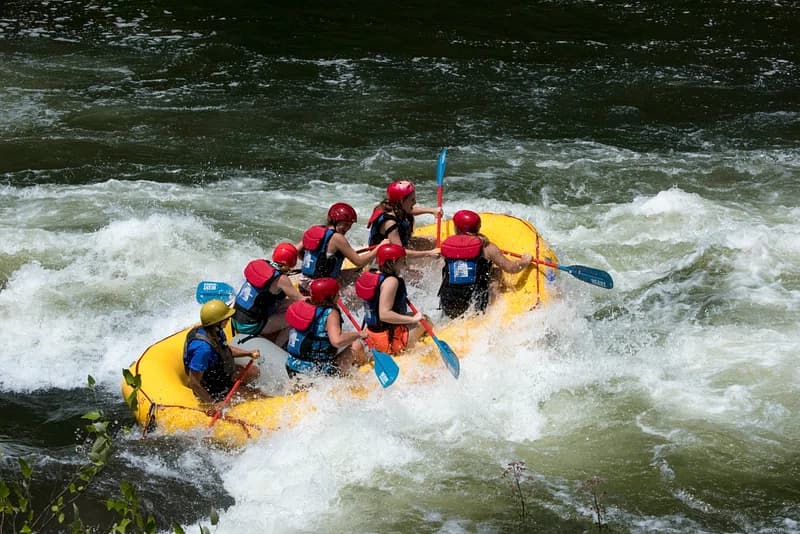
[(393, 218), (467, 272), (317, 344), (391, 327), (325, 247), (262, 300)]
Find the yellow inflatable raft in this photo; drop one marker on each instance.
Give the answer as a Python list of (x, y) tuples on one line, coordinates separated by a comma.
[(164, 401)]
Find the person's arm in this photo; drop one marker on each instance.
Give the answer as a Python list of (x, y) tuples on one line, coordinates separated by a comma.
[(339, 339), (510, 266), (285, 284), (421, 210), (386, 301), (196, 385), (339, 243), (241, 353)]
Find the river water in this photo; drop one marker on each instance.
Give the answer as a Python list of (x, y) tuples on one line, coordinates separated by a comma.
[(145, 146)]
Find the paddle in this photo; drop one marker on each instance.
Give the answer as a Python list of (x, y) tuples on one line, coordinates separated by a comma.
[(448, 356), (227, 399), (208, 290), (590, 275), (386, 368), (439, 191)]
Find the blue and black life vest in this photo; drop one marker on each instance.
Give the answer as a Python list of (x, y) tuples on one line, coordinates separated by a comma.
[(254, 302), (465, 276), (316, 262), (368, 288), (218, 378), (462, 255), (309, 348), (405, 227)]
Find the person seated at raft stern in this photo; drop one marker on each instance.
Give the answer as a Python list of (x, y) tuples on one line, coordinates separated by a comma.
[(317, 344), (262, 300), (468, 260), (393, 219), (386, 316), (208, 359), (325, 248)]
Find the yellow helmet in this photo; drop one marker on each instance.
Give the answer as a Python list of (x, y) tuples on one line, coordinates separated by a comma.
[(215, 311)]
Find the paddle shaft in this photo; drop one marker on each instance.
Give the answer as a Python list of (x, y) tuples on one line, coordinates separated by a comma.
[(423, 322), (227, 398), (534, 260)]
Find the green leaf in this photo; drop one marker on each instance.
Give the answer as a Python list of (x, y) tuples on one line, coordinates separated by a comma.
[(92, 416), (176, 528), (134, 381), (214, 516), (25, 469), (91, 381)]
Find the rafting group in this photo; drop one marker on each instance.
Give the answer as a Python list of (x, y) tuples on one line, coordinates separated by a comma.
[(304, 316), (291, 320)]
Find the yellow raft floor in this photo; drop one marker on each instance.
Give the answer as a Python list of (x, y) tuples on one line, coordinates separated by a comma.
[(165, 402)]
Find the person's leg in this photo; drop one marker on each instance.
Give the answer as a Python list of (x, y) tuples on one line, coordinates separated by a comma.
[(352, 356)]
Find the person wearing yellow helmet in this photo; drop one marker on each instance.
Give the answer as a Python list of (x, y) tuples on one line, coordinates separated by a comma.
[(209, 360), (393, 220)]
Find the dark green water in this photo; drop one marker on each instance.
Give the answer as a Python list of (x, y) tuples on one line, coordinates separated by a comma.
[(145, 146)]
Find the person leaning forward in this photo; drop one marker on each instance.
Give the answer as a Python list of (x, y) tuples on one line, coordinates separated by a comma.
[(317, 344), (389, 324), (267, 291), (209, 360), (469, 258)]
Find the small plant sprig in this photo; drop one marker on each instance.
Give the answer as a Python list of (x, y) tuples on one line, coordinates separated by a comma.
[(17, 513), (516, 471), (16, 503), (593, 486)]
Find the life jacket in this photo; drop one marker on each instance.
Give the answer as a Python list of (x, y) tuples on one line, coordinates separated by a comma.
[(218, 378), (309, 347), (466, 275), (461, 254), (368, 288), (404, 227), (254, 302), (316, 262)]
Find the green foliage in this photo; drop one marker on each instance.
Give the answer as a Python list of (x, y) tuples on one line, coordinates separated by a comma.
[(17, 513), (135, 383)]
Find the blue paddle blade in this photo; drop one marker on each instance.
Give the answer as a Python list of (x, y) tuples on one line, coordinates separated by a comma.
[(590, 275), (386, 368), (207, 290), (448, 356), (440, 167)]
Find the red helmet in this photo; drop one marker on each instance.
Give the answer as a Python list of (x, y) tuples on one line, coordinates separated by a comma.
[(323, 288), (467, 222), (390, 251), (341, 212), (398, 191), (285, 254)]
